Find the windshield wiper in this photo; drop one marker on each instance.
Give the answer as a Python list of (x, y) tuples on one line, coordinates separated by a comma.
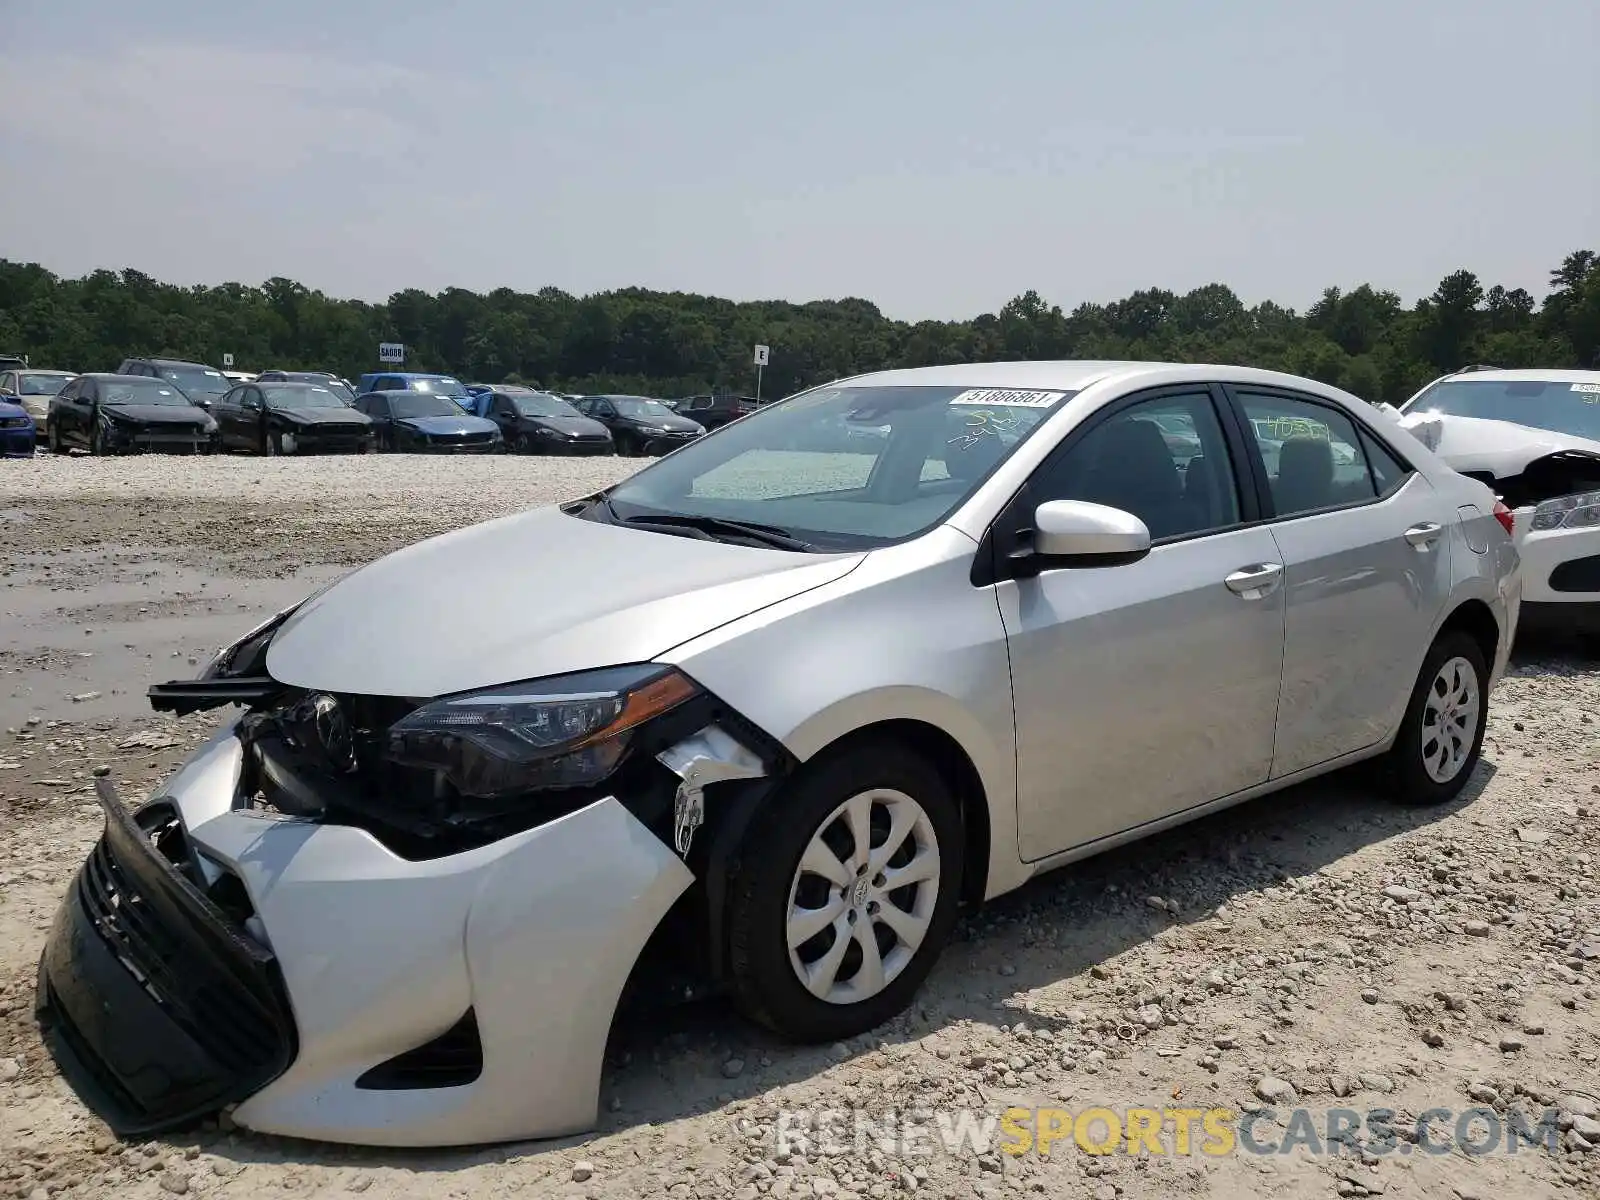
[(767, 535)]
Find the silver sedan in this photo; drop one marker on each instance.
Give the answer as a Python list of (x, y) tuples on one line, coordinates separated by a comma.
[(770, 710)]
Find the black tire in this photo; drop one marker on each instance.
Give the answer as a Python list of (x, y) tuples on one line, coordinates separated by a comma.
[(52, 437), (765, 984), (1408, 778), (524, 444), (269, 444), (97, 440)]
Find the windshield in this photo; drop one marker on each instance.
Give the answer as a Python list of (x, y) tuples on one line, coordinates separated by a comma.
[(142, 391), (843, 467), (441, 385), (300, 395), (407, 405), (540, 405), (630, 406), (197, 381), (43, 385), (1572, 408), (322, 381)]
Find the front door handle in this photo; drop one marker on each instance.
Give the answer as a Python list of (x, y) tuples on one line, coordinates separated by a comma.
[(1424, 535), (1256, 581)]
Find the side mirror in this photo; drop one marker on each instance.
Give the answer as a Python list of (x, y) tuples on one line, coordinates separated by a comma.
[(1075, 533)]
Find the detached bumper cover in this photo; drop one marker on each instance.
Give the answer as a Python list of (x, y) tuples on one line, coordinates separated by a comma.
[(337, 440), (524, 944), (180, 437), (156, 1007)]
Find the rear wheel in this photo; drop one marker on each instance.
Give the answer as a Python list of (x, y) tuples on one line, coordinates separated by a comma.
[(846, 894), (1441, 735)]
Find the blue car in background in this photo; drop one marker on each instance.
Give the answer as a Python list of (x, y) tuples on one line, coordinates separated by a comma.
[(418, 422), (16, 431), (411, 381)]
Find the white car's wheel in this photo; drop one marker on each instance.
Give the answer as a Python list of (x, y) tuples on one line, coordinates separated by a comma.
[(863, 896), (1441, 735), (845, 894)]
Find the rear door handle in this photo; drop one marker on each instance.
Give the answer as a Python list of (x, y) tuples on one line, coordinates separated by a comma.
[(1256, 581), (1424, 535)]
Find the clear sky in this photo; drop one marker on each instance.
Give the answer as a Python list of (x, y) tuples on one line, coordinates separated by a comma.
[(935, 157)]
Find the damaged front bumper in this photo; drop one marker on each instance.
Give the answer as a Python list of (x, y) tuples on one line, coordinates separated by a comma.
[(212, 954)]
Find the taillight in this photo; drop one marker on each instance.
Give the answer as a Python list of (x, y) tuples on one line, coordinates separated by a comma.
[(1507, 519)]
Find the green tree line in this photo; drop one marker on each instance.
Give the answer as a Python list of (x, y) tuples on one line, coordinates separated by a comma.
[(674, 343)]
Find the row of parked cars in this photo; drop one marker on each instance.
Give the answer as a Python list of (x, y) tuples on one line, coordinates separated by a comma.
[(167, 404)]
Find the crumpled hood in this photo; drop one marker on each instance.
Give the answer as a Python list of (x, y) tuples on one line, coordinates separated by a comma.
[(158, 414), (540, 593), (1502, 448), (461, 424), (324, 416), (569, 426)]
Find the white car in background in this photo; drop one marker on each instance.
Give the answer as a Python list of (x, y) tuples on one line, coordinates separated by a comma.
[(32, 389), (1533, 436), (767, 716)]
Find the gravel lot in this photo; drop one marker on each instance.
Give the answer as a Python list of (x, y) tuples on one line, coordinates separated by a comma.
[(1319, 947)]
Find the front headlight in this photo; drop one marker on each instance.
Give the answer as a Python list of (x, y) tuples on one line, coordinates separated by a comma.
[(569, 731), (1568, 512), (546, 431)]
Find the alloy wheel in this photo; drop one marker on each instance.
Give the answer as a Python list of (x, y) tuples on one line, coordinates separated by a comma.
[(863, 896), (1450, 720)]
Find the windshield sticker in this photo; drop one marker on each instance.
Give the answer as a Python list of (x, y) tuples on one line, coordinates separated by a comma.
[(1009, 397), (1588, 389)]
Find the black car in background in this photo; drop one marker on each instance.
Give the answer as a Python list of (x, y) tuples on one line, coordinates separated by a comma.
[(201, 383), (640, 425), (427, 422), (327, 379), (115, 414), (291, 418), (533, 422)]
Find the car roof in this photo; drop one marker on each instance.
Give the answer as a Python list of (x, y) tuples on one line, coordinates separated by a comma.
[(43, 371), (114, 375), (175, 362), (1526, 375), (1064, 375)]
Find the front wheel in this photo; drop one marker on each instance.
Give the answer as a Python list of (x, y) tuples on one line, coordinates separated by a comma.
[(97, 440), (846, 893), (1441, 735), (52, 437), (524, 444)]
